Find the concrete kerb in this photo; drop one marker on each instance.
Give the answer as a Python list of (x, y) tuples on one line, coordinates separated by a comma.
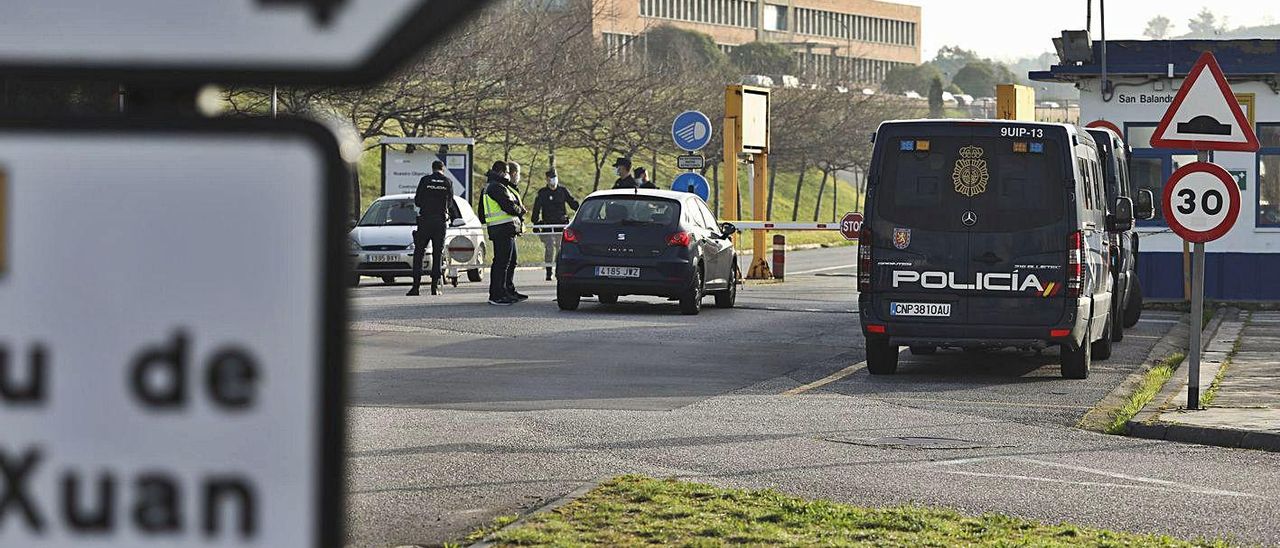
[(1144, 423), (1175, 340), (489, 540), (1147, 424)]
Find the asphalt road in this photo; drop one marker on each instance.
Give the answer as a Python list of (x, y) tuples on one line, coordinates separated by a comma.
[(463, 411)]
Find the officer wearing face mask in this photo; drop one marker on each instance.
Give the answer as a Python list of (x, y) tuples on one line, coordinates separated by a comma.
[(550, 208), (622, 166), (642, 179)]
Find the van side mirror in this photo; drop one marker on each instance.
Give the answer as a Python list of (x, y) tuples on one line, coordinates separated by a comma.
[(727, 229), (1122, 219), (1145, 207)]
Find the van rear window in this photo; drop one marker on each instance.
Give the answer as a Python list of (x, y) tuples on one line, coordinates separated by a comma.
[(1012, 185)]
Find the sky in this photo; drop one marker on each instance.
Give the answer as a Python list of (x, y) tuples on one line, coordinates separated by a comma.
[(1006, 30)]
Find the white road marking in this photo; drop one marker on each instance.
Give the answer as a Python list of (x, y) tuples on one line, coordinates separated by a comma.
[(1154, 320), (1149, 484), (824, 269)]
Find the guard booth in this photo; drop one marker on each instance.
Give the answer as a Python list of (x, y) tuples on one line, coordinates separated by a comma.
[(406, 160), (1144, 76)]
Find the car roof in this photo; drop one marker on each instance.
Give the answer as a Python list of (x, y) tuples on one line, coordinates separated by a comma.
[(654, 192), (396, 197)]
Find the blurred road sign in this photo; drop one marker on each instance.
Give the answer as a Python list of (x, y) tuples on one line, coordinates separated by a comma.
[(692, 182), (1201, 202), (1205, 114), (851, 225), (691, 161), (173, 331), (691, 130), (230, 41)]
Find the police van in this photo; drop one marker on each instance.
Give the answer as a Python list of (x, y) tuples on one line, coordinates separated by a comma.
[(1114, 156), (986, 234)]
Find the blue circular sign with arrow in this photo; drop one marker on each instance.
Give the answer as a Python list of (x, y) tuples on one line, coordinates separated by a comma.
[(691, 130), (692, 182)]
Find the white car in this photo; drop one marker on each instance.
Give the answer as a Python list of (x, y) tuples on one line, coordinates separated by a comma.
[(382, 242)]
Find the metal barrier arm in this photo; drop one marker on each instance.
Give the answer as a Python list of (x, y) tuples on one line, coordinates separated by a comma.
[(770, 225)]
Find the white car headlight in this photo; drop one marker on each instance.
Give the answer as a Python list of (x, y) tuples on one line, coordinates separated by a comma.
[(353, 245)]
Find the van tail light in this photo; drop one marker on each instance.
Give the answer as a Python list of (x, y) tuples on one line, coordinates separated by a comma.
[(679, 239), (570, 236), (876, 328), (1075, 263), (864, 258)]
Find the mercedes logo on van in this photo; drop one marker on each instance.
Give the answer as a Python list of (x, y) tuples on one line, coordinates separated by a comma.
[(969, 218)]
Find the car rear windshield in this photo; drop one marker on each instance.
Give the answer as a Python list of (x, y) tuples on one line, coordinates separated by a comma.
[(630, 210), (390, 213), (929, 182)]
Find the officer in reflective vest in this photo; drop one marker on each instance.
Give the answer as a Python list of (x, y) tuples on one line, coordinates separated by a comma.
[(501, 212)]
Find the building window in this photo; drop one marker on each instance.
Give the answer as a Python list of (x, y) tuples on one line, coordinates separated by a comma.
[(1269, 175), (775, 17)]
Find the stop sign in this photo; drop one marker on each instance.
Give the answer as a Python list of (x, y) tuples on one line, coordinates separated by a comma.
[(851, 225)]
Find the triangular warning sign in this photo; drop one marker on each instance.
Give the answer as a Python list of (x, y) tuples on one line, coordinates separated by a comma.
[(1205, 115)]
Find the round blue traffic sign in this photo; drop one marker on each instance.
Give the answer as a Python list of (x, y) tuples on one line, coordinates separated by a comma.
[(691, 130), (692, 182)]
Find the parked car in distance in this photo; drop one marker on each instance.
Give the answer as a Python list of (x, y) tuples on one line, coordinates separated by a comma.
[(381, 243)]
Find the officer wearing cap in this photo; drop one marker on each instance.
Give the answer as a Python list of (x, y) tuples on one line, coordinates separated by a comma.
[(642, 179), (622, 166), (550, 207), (436, 210)]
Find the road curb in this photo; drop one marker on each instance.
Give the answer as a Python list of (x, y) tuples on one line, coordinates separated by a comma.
[(1176, 340), (488, 541), (1146, 423)]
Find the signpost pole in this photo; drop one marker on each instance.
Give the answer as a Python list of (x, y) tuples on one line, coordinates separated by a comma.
[(1197, 319)]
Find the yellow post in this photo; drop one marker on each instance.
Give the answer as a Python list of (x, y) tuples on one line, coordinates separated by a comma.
[(1015, 102), (760, 189), (729, 178)]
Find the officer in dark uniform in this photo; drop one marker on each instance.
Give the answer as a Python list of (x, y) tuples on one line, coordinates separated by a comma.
[(550, 208), (642, 179), (622, 166), (436, 211)]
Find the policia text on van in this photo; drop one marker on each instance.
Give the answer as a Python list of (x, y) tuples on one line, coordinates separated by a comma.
[(987, 234)]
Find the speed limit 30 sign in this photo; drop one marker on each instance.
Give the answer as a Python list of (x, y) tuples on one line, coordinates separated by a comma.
[(1201, 202)]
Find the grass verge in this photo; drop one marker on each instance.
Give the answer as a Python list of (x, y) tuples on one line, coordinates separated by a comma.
[(480, 533), (1151, 385), (635, 510)]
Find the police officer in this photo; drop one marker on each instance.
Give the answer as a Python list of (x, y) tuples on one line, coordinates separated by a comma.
[(501, 212), (549, 208), (622, 166), (436, 210), (642, 179)]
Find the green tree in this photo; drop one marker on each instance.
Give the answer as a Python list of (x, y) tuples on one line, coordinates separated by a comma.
[(910, 78), (950, 59), (763, 58), (669, 47), (935, 98), (1157, 28), (1205, 24), (980, 78)]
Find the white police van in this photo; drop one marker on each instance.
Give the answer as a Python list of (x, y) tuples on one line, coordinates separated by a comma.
[(986, 234)]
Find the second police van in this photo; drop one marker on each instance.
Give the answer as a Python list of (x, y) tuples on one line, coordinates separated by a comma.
[(988, 234)]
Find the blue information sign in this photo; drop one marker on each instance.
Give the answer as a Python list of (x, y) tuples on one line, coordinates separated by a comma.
[(692, 182), (691, 130)]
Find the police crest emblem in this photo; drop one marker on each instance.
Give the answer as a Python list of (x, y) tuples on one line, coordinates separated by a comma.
[(970, 174), (901, 237)]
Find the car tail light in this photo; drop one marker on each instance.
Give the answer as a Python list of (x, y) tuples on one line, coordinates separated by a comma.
[(1075, 263), (875, 328), (570, 236), (679, 239), (864, 258), (1059, 333)]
